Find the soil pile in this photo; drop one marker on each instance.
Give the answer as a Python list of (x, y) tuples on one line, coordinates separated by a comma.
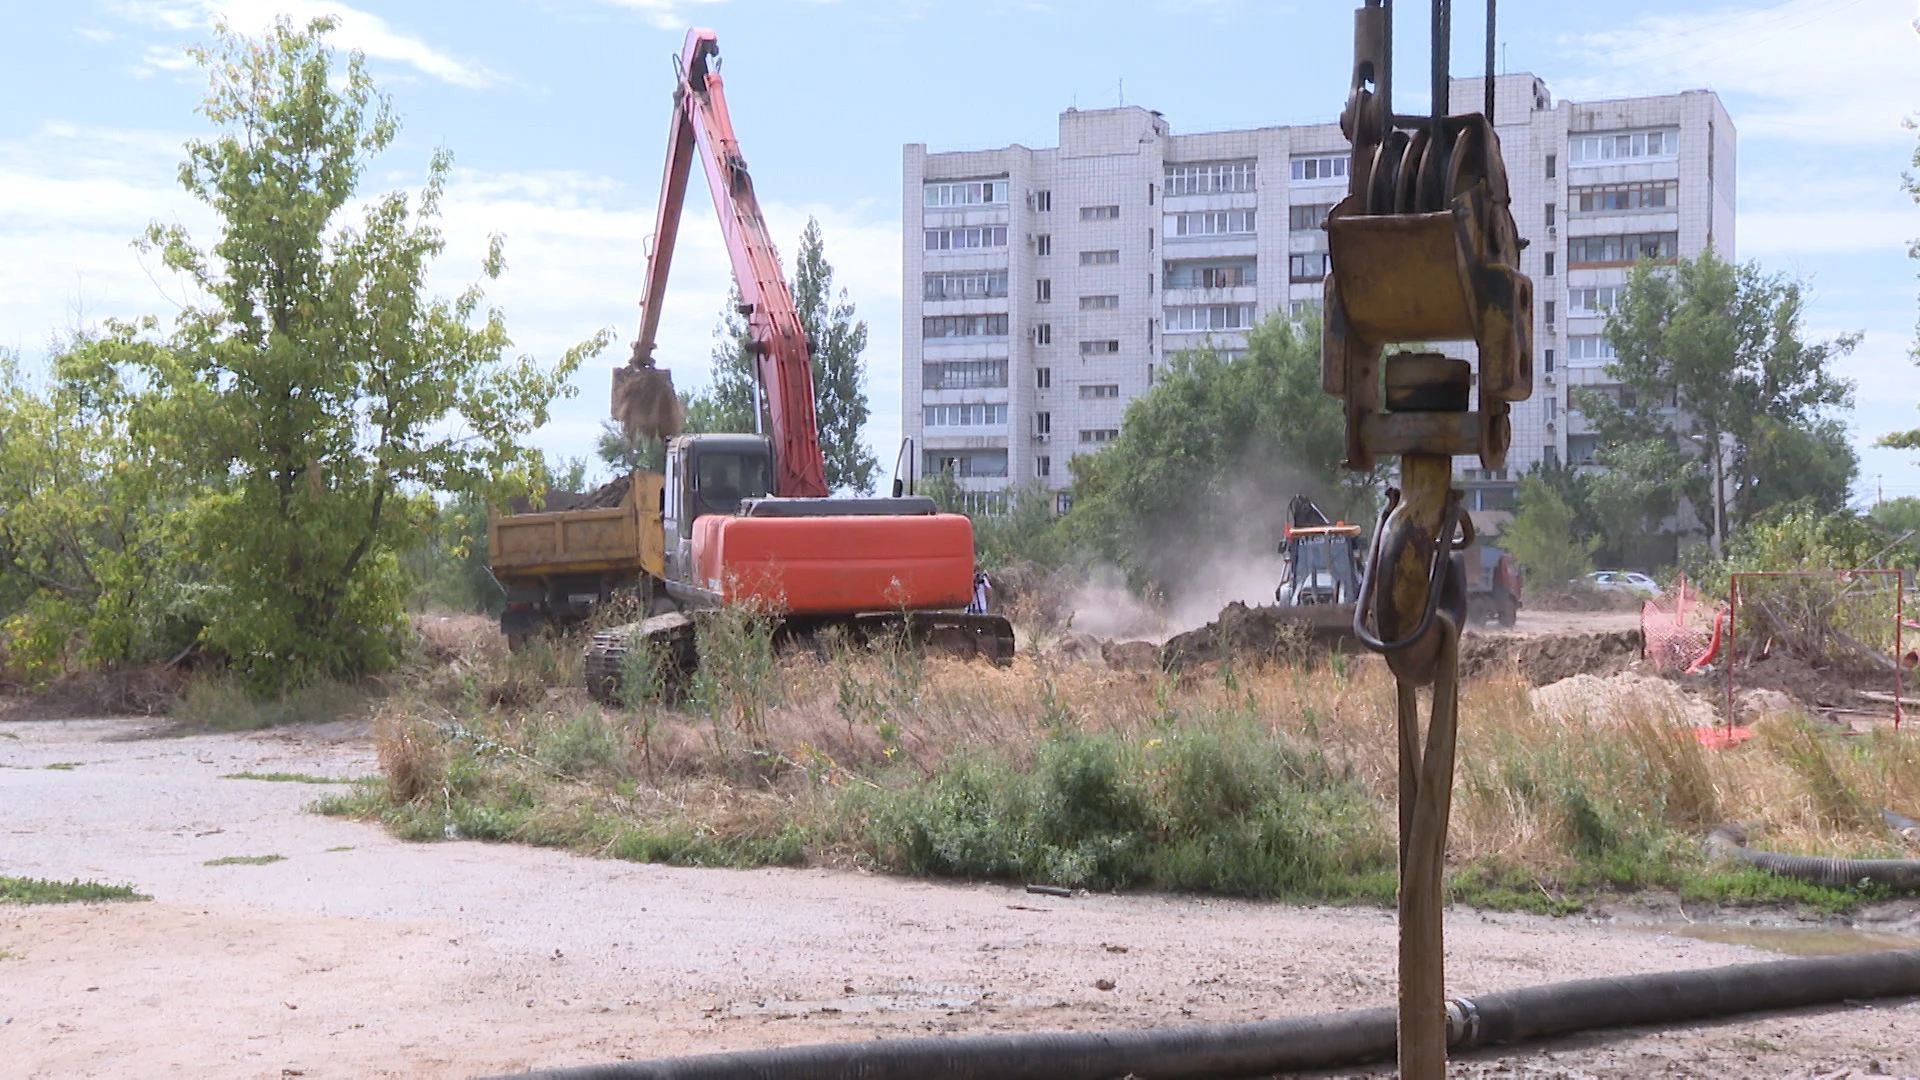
[(1271, 632), (1620, 697), (1551, 658), (605, 497), (147, 691)]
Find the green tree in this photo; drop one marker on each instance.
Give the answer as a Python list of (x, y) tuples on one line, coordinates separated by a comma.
[(87, 553), (729, 401), (1542, 538), (1706, 348), (1210, 455), (320, 393), (837, 340)]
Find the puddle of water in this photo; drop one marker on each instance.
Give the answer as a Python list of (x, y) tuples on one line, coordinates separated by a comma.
[(1793, 940)]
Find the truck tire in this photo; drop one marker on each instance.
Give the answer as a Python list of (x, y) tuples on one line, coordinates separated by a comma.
[(1509, 608)]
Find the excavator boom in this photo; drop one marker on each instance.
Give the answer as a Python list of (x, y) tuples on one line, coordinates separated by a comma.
[(782, 358)]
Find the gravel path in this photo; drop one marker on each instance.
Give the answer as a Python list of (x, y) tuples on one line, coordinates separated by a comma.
[(359, 955)]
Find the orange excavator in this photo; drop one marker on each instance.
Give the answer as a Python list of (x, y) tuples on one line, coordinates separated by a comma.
[(747, 519)]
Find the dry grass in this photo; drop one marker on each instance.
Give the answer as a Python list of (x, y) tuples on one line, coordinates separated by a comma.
[(799, 756)]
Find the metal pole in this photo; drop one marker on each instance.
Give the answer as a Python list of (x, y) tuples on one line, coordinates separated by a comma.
[(1441, 74), (1490, 4)]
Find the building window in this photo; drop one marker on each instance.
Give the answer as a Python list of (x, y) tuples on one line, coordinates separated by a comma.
[(964, 375), (1150, 193), (1549, 314), (1204, 317), (1552, 405), (1311, 266), (1210, 223), (1307, 218), (1043, 466), (1043, 244), (1043, 289), (953, 326), (1149, 283), (1319, 169), (1625, 198), (1550, 456), (1212, 274), (966, 463), (1043, 378), (1043, 424), (1099, 391), (1043, 201), (1100, 213), (1099, 348), (1621, 250), (1589, 347), (1043, 333), (1549, 264), (1594, 301), (1149, 239), (1062, 502), (1546, 363), (1549, 215), (1550, 164), (967, 237), (1623, 146), (965, 285), (966, 193), (1099, 258), (1099, 303), (1213, 178), (1300, 309), (1099, 435), (975, 415)]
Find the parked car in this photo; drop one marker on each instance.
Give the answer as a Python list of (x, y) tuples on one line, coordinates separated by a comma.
[(1629, 581)]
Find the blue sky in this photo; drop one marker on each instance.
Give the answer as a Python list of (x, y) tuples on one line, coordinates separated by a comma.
[(556, 112)]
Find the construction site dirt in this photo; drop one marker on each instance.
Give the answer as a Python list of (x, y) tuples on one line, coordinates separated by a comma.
[(356, 954)]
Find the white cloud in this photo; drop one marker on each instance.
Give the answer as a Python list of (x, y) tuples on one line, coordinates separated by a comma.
[(663, 14), (73, 199), (1816, 71), (356, 29)]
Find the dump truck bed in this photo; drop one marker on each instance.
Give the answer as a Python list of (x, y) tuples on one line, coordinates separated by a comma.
[(626, 537)]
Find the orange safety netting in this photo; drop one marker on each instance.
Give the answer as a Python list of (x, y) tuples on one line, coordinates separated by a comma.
[(1680, 630)]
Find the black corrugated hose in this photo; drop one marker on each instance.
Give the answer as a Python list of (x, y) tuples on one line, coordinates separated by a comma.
[(1730, 841), (1327, 1041)]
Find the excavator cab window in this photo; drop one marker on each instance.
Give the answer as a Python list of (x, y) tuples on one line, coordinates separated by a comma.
[(722, 478)]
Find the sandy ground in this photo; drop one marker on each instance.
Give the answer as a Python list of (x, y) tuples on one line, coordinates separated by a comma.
[(1531, 623), (359, 955)]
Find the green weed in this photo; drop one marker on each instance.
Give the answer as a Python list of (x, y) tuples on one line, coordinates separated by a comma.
[(245, 860), (20, 890)]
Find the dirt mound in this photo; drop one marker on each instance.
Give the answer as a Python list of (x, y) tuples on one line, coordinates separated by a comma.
[(1820, 687), (1550, 658), (1270, 632), (605, 497), (1620, 696), (147, 691), (1131, 655)]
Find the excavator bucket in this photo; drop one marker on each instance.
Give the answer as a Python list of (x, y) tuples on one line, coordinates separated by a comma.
[(645, 404)]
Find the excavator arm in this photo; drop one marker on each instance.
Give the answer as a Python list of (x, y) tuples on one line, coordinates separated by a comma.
[(778, 341)]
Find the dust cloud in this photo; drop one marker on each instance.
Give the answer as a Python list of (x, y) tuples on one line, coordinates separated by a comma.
[(1228, 551)]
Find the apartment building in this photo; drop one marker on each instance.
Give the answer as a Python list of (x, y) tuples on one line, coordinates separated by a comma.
[(1043, 288)]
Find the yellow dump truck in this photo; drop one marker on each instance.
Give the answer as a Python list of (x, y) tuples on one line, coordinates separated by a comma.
[(559, 561)]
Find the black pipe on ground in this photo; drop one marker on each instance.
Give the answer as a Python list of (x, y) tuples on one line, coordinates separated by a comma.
[(1730, 841), (1333, 1040)]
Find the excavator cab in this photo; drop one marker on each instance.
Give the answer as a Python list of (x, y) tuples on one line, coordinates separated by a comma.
[(708, 474)]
